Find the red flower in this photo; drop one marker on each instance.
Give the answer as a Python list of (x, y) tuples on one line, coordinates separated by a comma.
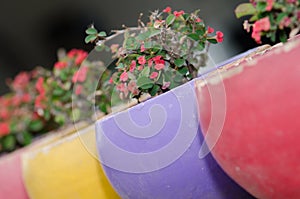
[(16, 100), (153, 75), (120, 87), (158, 60), (80, 75), (269, 5), (124, 76), (80, 57), (262, 24), (111, 81), (159, 66), (72, 53), (167, 10), (132, 66), (26, 98), (219, 36), (210, 30), (178, 14), (21, 81), (142, 60), (4, 129), (39, 101), (78, 89), (60, 65), (4, 114)]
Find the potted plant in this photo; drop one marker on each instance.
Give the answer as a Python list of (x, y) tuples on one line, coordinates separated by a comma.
[(258, 146), (37, 113), (151, 149)]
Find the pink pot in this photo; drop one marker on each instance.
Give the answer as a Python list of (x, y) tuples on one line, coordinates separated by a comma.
[(259, 145)]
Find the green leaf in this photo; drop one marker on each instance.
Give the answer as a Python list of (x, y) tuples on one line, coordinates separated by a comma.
[(244, 9), (91, 31), (179, 62), (102, 34), (76, 114), (60, 119), (280, 17), (148, 44), (144, 82), (145, 72), (36, 125), (261, 6), (100, 48), (24, 138), (9, 142), (154, 90), (58, 91), (170, 19), (283, 37), (90, 38), (213, 41), (183, 70), (194, 36)]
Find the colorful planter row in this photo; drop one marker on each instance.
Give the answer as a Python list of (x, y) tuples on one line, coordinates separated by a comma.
[(152, 150), (58, 166)]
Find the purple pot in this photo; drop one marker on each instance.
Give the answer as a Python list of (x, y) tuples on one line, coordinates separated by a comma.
[(152, 150)]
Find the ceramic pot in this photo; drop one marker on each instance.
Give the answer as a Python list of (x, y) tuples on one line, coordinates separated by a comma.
[(258, 146)]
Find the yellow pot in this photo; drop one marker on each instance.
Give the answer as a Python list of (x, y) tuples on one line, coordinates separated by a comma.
[(64, 168)]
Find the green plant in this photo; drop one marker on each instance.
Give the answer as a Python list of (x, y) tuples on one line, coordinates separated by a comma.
[(276, 20), (158, 55)]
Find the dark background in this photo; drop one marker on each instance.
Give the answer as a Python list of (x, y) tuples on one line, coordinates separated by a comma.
[(32, 31)]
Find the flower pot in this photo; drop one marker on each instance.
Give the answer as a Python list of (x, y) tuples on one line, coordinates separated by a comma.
[(151, 150), (56, 166), (258, 146)]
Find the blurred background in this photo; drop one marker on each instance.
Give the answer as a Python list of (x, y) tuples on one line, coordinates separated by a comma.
[(32, 31)]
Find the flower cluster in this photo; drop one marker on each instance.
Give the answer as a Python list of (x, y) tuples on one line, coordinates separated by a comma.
[(274, 19), (160, 54), (41, 100)]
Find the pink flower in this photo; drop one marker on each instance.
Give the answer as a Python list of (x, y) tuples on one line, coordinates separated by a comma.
[(142, 60), (132, 66), (291, 1), (262, 24), (141, 67), (167, 9), (210, 30), (111, 80), (80, 75), (21, 80), (198, 20), (298, 15), (153, 75), (39, 86), (26, 98), (132, 86), (256, 36), (60, 65), (124, 76), (4, 129), (120, 87), (39, 101), (4, 114), (16, 100), (178, 14), (219, 36), (114, 48), (150, 62), (72, 53), (269, 5), (78, 89), (165, 85), (159, 66), (285, 22), (142, 48)]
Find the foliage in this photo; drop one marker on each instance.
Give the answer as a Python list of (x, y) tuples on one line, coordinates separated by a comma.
[(158, 56), (276, 20)]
